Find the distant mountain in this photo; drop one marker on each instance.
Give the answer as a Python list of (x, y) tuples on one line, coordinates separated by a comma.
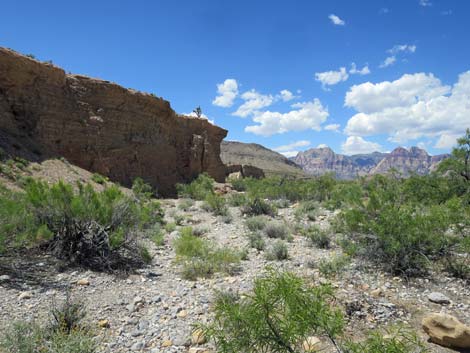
[(272, 163), (318, 161)]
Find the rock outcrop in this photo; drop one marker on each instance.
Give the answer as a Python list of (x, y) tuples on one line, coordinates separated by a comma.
[(252, 154), (447, 331), (318, 161), (101, 126)]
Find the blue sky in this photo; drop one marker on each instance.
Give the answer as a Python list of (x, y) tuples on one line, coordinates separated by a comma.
[(279, 73)]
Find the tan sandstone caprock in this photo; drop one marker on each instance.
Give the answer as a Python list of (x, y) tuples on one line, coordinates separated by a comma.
[(446, 330)]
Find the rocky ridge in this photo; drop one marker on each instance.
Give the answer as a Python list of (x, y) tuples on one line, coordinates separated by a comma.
[(101, 126), (318, 161)]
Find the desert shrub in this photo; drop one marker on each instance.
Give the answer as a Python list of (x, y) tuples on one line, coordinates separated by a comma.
[(83, 227), (256, 241), (281, 203), (179, 219), (157, 237), (200, 231), (278, 251), (237, 200), (185, 204), (331, 267), (142, 190), (202, 258), (198, 189), (238, 184), (67, 332), (457, 260), (216, 204), (226, 218), (276, 230), (256, 223), (397, 341), (306, 209), (257, 206), (318, 237), (170, 227), (279, 313), (99, 179)]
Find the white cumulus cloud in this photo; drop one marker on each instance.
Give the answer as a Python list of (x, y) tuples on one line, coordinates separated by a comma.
[(411, 107), (355, 71), (330, 78), (254, 101), (336, 20), (290, 150), (357, 145), (286, 95), (304, 116), (407, 48), (227, 92), (388, 61), (332, 127)]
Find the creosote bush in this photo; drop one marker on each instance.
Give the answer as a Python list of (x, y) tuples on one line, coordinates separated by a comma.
[(216, 204), (277, 316), (317, 236), (278, 251), (256, 223), (257, 206), (201, 258), (198, 189), (256, 241), (276, 230)]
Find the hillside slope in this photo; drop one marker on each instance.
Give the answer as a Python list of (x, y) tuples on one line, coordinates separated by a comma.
[(272, 163)]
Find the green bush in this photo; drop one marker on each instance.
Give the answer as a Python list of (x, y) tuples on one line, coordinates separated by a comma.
[(278, 251), (256, 223), (237, 200), (142, 190), (400, 341), (99, 179), (66, 334), (198, 189), (331, 267), (216, 204), (256, 241), (318, 237), (257, 206), (276, 230), (170, 227), (277, 316), (84, 227), (202, 258), (185, 204)]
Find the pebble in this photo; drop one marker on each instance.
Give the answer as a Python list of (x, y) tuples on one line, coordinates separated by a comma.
[(4, 278), (25, 295), (83, 282)]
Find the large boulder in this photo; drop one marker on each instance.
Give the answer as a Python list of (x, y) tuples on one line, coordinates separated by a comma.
[(101, 126), (446, 330)]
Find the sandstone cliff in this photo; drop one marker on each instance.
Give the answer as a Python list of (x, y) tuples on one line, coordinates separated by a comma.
[(318, 161), (101, 126)]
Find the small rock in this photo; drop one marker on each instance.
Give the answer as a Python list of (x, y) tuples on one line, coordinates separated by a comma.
[(438, 298), (182, 314), (138, 300), (311, 344), (376, 292), (103, 323), (83, 282), (25, 295), (446, 330), (138, 346), (198, 337), (4, 278), (167, 343)]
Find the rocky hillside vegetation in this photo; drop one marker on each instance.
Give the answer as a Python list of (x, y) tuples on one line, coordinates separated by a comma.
[(101, 127), (272, 163), (319, 161), (376, 265)]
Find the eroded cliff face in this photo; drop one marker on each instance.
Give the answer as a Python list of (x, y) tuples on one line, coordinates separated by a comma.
[(101, 126)]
